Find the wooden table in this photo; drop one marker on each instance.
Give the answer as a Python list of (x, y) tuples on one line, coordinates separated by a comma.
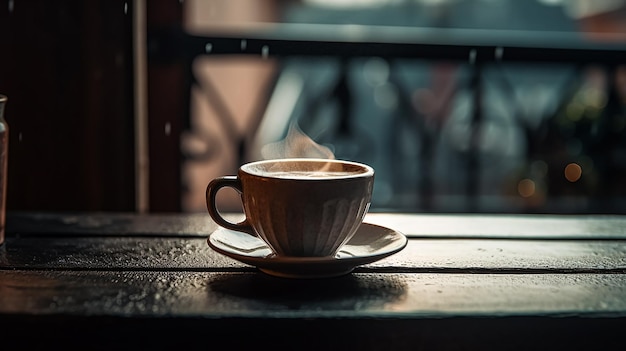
[(111, 281)]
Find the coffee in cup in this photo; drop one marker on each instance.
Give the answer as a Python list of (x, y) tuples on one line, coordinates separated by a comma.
[(299, 207)]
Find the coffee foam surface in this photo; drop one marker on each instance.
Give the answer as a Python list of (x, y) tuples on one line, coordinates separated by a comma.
[(308, 169), (309, 174)]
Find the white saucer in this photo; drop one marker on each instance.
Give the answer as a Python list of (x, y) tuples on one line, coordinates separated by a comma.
[(370, 243)]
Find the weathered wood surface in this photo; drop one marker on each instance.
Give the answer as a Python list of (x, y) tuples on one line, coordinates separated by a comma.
[(413, 225), (368, 295), (512, 226), (463, 282), (105, 310), (420, 255), (110, 224)]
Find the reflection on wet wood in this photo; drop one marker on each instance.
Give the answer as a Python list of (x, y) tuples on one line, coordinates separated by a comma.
[(413, 225), (504, 226)]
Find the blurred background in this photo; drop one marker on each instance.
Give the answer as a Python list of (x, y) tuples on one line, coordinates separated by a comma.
[(459, 105)]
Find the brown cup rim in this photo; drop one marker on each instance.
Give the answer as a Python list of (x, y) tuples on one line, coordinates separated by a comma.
[(249, 168)]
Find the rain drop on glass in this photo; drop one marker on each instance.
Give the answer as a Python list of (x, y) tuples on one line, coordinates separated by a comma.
[(265, 51), (472, 56), (499, 53)]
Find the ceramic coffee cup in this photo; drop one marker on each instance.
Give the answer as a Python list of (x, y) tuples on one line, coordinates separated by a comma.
[(299, 207)]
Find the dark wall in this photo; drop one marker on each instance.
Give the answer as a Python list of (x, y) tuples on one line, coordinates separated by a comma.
[(168, 96), (67, 69)]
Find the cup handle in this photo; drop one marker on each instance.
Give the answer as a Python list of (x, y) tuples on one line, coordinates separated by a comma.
[(211, 192)]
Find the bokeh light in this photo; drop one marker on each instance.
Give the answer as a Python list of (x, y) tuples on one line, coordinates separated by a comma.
[(526, 187), (573, 172)]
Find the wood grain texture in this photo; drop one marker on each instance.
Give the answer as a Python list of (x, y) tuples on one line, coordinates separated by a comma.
[(590, 227), (504, 226), (420, 255), (110, 224), (366, 295), (463, 282)]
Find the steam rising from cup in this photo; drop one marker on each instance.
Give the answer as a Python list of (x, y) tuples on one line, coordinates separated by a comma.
[(296, 145)]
